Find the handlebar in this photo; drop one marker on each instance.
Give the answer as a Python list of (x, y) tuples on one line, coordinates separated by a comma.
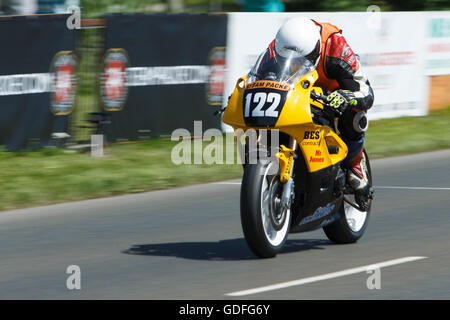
[(315, 96), (219, 111), (323, 100)]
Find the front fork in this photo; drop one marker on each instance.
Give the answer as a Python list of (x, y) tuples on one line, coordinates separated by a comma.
[(286, 159)]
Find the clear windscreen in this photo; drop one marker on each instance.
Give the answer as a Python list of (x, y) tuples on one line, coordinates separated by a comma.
[(287, 70)]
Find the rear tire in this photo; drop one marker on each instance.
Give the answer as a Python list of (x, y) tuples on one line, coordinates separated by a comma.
[(352, 223), (265, 227)]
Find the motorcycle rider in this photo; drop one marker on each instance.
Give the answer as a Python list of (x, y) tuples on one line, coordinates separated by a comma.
[(340, 76)]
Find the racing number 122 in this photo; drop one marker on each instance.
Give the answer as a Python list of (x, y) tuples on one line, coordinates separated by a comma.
[(260, 99)]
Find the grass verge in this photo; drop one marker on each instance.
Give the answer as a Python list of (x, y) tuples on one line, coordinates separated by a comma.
[(397, 136), (52, 175)]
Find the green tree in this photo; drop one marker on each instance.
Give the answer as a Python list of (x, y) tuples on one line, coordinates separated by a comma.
[(361, 5)]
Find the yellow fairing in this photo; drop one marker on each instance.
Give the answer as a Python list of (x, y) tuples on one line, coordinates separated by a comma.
[(234, 115), (295, 119)]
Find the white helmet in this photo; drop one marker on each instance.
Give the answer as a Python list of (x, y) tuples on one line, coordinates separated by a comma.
[(298, 37)]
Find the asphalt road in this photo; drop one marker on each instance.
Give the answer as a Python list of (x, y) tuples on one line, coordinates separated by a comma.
[(187, 243)]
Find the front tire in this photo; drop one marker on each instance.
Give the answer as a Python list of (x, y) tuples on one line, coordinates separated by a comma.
[(264, 223), (352, 223)]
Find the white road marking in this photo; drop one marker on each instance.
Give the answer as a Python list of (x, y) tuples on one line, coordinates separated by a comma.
[(224, 182), (327, 276), (411, 188), (376, 187)]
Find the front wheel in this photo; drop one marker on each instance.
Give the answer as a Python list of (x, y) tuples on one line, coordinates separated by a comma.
[(264, 222), (352, 223)]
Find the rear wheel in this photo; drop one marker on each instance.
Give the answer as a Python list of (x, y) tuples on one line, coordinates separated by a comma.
[(264, 222), (352, 223)]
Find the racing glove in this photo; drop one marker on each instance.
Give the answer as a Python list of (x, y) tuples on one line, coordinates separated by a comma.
[(341, 99)]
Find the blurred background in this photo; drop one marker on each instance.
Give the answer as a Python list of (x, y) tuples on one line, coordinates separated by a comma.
[(91, 41), (99, 7), (134, 71)]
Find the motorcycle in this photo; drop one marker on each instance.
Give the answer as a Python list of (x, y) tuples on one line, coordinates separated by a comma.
[(301, 185)]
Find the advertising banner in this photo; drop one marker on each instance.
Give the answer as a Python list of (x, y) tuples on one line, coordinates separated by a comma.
[(37, 79), (437, 45), (162, 72)]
